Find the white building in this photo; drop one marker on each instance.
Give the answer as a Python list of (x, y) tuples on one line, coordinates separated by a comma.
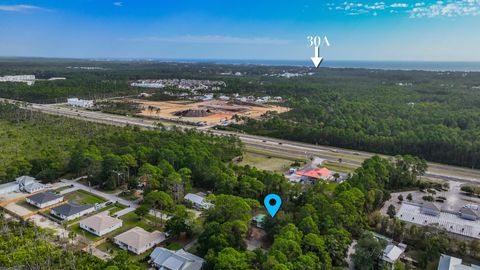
[(137, 240), (44, 199), (28, 79), (75, 102), (198, 201), (101, 224), (23, 183)]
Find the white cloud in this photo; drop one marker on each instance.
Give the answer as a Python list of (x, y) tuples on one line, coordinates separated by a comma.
[(448, 8), (430, 9), (214, 39), (399, 5), (118, 4), (21, 8)]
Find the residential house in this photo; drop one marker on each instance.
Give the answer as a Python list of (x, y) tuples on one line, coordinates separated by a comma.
[(101, 223), (29, 184), (468, 213), (137, 240), (451, 263), (429, 208), (71, 210), (198, 201), (165, 259), (392, 253), (44, 199)]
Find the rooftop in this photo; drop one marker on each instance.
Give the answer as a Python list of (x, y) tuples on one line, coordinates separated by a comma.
[(44, 197), (71, 208), (175, 260), (100, 221), (316, 173), (391, 253), (430, 206), (138, 237)]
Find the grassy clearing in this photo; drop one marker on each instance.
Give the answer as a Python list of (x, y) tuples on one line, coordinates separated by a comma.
[(79, 231), (268, 161), (339, 167), (84, 197)]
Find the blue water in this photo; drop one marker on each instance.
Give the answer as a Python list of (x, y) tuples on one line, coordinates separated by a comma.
[(388, 65)]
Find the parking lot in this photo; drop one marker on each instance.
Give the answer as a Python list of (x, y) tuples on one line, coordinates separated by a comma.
[(450, 222)]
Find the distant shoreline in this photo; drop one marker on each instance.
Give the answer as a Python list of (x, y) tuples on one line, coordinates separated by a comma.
[(439, 66)]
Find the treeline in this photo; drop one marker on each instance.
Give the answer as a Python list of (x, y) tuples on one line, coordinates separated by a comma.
[(436, 117), (109, 155)]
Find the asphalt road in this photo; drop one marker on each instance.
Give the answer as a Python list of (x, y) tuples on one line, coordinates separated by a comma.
[(351, 157)]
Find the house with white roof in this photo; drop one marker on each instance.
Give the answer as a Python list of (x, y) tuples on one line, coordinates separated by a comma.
[(392, 253), (101, 223), (165, 259), (198, 201), (137, 240)]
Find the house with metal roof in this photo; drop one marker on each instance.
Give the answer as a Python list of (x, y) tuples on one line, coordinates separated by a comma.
[(451, 263), (71, 210), (199, 202), (392, 253), (101, 223), (44, 199), (137, 240), (165, 259)]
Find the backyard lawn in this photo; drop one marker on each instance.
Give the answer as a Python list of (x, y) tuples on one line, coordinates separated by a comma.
[(84, 197)]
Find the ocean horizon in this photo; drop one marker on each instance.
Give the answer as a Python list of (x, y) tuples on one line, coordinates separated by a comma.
[(462, 66)]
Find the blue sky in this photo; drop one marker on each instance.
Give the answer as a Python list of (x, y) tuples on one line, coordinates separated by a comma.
[(447, 30)]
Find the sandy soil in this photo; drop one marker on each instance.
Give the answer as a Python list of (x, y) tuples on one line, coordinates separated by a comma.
[(221, 110), (18, 209)]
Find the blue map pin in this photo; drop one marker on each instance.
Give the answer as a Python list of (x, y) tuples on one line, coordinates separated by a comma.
[(272, 202)]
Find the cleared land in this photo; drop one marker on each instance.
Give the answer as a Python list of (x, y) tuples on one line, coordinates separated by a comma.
[(265, 160), (210, 112)]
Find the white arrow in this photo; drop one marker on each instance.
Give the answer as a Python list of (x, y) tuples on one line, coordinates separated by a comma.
[(317, 60)]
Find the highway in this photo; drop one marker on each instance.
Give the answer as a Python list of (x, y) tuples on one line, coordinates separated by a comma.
[(350, 157)]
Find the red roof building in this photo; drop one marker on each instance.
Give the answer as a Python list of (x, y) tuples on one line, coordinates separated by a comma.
[(316, 173)]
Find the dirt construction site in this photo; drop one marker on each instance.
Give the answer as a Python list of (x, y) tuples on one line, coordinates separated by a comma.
[(206, 112)]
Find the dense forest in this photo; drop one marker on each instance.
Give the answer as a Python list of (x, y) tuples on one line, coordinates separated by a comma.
[(433, 115), (48, 147)]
